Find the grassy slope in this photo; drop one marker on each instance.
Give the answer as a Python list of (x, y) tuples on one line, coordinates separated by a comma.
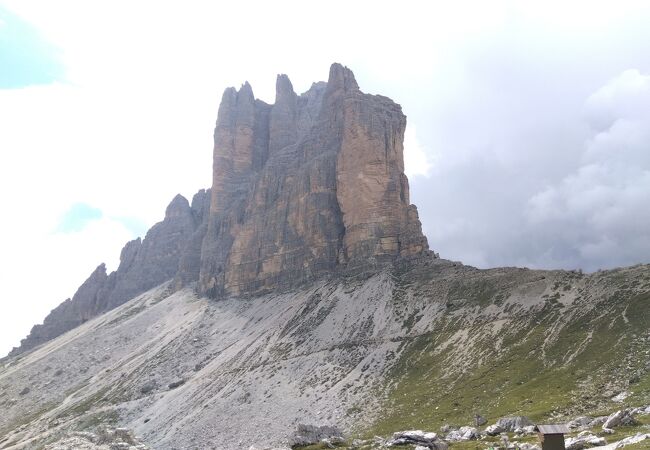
[(520, 378)]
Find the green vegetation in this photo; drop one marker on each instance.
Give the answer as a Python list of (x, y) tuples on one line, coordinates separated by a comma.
[(537, 369)]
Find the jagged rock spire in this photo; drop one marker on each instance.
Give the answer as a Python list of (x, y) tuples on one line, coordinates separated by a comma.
[(330, 190), (308, 186)]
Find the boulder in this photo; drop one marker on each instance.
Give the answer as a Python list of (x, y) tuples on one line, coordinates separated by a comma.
[(641, 410), (526, 446), (621, 417), (580, 422), (510, 424), (597, 421), (463, 434), (494, 430), (632, 440), (620, 397), (428, 440), (527, 430), (584, 440)]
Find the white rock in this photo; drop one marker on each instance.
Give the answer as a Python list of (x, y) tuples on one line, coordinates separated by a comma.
[(580, 422), (598, 421), (417, 437), (621, 417), (527, 430), (632, 439), (584, 440), (493, 430), (526, 446), (463, 434), (512, 423), (619, 398)]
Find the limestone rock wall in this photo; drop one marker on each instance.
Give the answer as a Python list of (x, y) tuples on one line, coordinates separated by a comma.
[(309, 186), (146, 264), (305, 186), (372, 190)]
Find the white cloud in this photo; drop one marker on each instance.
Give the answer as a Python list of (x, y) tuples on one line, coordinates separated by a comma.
[(625, 97), (42, 268), (600, 210), (417, 161)]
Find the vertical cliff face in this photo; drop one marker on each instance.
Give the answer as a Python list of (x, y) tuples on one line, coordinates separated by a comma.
[(189, 264), (304, 186), (372, 190)]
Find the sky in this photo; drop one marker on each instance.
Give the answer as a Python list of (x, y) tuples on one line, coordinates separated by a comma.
[(527, 144)]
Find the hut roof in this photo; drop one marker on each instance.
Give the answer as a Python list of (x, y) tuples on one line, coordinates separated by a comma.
[(553, 429)]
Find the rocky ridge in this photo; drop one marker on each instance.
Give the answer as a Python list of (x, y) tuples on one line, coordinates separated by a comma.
[(309, 186), (144, 264)]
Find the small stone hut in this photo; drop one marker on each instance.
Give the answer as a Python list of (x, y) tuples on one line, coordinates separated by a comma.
[(552, 436)]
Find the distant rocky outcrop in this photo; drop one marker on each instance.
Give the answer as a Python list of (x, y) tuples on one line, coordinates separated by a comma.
[(85, 304), (144, 264), (309, 186)]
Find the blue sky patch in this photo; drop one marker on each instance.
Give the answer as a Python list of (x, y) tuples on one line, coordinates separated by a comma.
[(26, 58), (78, 217), (134, 225)]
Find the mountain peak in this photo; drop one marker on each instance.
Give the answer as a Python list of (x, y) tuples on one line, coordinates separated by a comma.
[(342, 77), (284, 90), (306, 188), (177, 207)]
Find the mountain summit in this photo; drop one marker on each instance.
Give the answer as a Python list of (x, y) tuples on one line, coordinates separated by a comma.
[(304, 186), (309, 186)]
